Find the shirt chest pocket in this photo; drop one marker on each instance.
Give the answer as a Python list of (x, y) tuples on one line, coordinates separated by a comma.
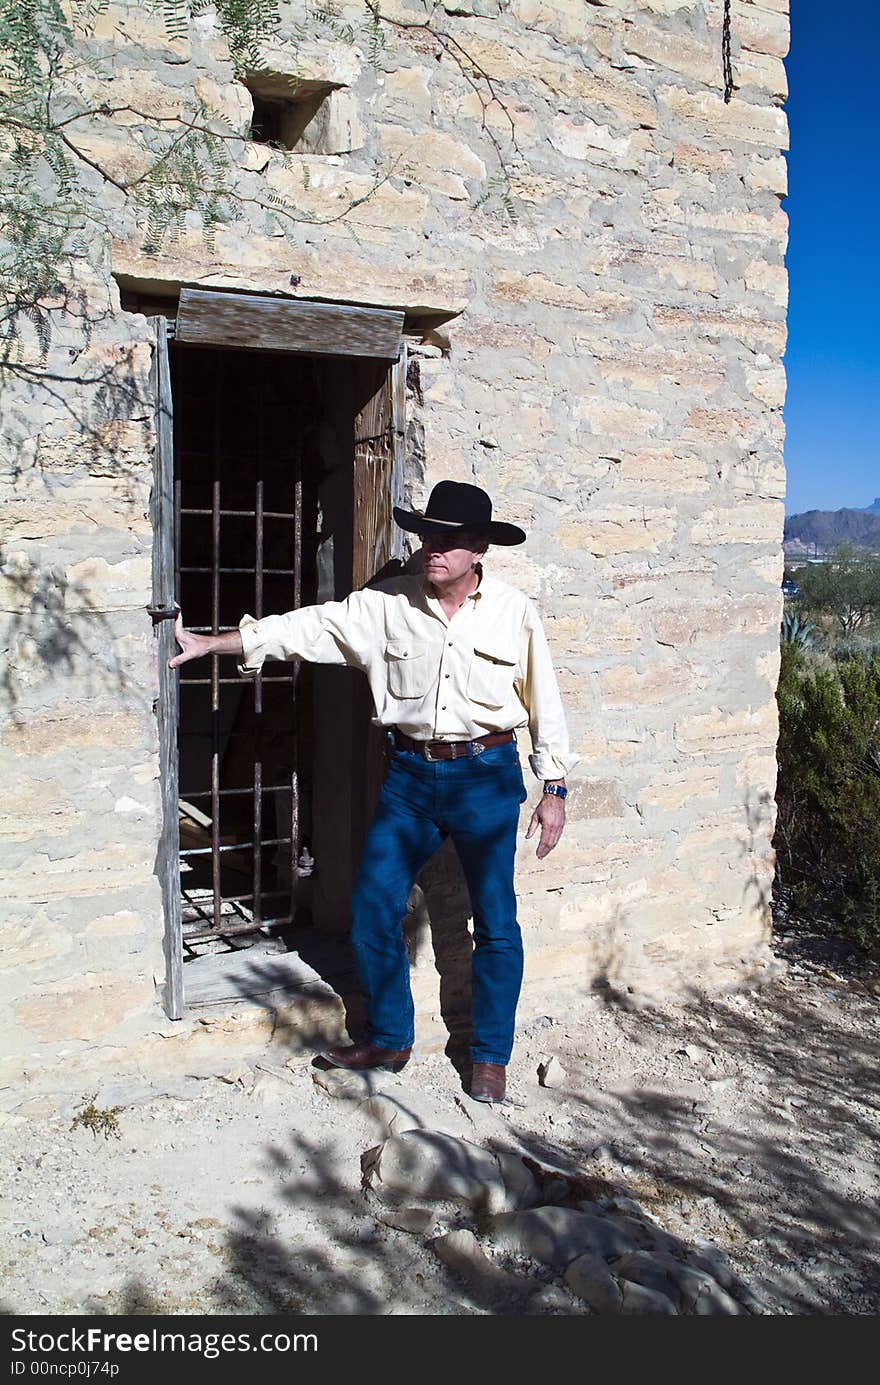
[(407, 668), (491, 675)]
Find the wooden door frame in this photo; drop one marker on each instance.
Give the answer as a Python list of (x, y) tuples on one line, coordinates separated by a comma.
[(295, 327)]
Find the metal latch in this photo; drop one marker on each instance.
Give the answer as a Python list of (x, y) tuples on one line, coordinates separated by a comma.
[(162, 613)]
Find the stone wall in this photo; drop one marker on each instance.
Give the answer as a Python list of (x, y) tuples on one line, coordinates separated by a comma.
[(589, 245)]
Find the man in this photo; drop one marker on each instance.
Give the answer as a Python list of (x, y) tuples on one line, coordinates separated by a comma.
[(456, 661)]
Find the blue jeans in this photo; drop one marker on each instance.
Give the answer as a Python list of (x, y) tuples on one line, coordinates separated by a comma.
[(475, 801)]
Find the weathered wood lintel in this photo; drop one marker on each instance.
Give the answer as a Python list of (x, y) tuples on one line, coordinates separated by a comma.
[(254, 321)]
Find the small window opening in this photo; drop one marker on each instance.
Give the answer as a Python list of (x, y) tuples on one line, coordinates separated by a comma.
[(296, 115)]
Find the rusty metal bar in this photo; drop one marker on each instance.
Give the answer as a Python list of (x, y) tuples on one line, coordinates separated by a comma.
[(206, 793), (246, 571), (258, 683), (297, 602), (230, 846), (232, 931), (242, 514), (215, 658), (204, 682), (243, 898)]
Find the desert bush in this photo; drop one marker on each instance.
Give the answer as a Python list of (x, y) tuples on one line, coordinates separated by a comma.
[(828, 791)]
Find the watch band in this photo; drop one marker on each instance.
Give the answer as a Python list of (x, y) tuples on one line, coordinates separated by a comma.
[(557, 790)]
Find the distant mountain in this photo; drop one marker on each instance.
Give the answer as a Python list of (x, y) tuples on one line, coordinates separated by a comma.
[(824, 529)]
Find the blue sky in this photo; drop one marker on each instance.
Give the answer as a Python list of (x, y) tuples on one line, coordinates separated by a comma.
[(832, 411)]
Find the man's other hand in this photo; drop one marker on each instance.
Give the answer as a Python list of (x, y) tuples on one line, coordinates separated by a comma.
[(549, 815)]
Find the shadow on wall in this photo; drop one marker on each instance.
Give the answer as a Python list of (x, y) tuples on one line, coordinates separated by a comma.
[(55, 631), (88, 422)]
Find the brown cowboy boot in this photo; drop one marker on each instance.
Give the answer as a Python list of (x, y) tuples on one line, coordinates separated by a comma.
[(362, 1056), (488, 1082)]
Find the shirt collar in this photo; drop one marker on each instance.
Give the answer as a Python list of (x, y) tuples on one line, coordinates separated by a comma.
[(472, 596)]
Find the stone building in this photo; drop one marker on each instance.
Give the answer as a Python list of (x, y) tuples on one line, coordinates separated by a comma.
[(524, 243)]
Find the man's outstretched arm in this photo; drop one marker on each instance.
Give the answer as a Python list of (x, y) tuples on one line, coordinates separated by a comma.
[(197, 646)]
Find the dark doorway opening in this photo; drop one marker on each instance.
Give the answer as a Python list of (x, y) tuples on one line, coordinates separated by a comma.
[(276, 459)]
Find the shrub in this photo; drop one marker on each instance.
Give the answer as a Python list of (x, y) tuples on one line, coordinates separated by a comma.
[(828, 790)]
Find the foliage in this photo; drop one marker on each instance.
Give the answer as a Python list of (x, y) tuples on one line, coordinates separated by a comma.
[(39, 209), (51, 79), (846, 588), (100, 1120), (797, 630), (828, 791)]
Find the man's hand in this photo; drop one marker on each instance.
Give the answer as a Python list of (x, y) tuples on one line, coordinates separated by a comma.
[(550, 816), (196, 646), (193, 646)]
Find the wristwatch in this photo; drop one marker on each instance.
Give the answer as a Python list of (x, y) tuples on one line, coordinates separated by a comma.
[(557, 790)]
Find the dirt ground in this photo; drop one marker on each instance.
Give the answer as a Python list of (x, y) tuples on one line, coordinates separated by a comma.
[(750, 1123)]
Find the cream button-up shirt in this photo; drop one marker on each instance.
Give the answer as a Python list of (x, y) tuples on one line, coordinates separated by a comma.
[(486, 668)]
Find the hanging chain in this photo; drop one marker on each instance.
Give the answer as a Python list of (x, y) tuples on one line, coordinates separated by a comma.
[(725, 52)]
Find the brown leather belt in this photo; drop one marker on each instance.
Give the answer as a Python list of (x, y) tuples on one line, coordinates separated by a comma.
[(451, 750)]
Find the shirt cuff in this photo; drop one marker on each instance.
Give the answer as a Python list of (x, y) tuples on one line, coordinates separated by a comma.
[(547, 766), (252, 645)]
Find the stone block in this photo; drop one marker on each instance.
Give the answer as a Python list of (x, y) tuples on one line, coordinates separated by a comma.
[(322, 61), (598, 798), (649, 367), (627, 685), (39, 806), (675, 52), (88, 873), (84, 1006), (690, 622), (515, 287), (32, 940), (616, 418), (584, 138), (637, 579), (758, 522), (769, 279), (407, 94), (60, 731), (761, 28), (722, 733), (767, 382), (762, 72), (479, 335), (754, 330), (767, 175), (96, 585), (84, 504), (738, 121), (604, 627), (431, 160), (231, 101), (661, 470), (607, 529), (718, 426), (679, 785)]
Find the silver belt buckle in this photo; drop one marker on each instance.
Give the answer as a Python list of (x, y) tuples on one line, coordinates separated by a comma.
[(427, 753), (477, 748)]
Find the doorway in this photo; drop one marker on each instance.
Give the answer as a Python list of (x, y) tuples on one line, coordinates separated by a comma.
[(283, 470)]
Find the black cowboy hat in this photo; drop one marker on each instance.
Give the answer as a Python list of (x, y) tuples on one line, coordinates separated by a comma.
[(456, 505)]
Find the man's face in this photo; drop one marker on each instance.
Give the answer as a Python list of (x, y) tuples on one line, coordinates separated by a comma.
[(446, 559)]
